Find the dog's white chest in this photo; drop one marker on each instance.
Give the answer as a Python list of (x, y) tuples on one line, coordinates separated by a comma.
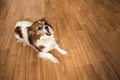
[(47, 43)]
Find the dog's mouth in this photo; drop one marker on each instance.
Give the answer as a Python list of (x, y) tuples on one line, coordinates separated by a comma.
[(47, 31), (48, 34)]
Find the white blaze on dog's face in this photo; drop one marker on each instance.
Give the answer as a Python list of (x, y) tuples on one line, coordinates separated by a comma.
[(41, 28)]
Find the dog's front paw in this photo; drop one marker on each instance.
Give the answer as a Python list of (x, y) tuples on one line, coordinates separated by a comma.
[(49, 57), (63, 52), (54, 60)]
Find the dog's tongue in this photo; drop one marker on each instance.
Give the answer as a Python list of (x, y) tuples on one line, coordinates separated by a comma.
[(48, 33)]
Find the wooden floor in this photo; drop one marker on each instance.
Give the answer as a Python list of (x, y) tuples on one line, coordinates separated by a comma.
[(88, 29)]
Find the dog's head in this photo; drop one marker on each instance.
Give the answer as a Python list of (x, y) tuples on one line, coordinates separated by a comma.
[(40, 28)]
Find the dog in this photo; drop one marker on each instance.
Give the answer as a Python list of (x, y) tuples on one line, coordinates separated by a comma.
[(40, 36)]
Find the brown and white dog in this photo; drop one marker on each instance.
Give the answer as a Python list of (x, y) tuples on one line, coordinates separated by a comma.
[(40, 36)]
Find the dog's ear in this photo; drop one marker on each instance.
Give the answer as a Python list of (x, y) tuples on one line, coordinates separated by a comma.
[(30, 35), (30, 39), (43, 19)]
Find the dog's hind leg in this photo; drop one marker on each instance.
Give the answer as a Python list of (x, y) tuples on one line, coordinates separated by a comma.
[(24, 44), (19, 40)]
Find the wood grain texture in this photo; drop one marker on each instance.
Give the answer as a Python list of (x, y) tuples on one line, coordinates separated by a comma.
[(88, 29)]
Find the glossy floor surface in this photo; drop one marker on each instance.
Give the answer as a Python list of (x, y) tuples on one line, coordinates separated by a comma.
[(88, 29)]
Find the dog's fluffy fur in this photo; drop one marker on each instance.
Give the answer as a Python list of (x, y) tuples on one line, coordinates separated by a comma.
[(40, 36)]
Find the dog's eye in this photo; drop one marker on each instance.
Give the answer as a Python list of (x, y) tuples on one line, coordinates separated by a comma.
[(39, 28)]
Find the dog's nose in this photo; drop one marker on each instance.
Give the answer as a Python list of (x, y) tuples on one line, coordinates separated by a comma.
[(46, 27)]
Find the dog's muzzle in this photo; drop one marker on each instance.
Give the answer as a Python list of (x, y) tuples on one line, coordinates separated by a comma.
[(47, 31)]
